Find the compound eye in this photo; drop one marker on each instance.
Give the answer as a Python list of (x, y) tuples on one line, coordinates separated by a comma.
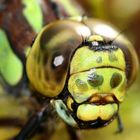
[(95, 80), (115, 80), (81, 85)]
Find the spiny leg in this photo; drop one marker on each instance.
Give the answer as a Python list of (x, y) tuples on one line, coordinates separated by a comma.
[(33, 124), (120, 124), (73, 134)]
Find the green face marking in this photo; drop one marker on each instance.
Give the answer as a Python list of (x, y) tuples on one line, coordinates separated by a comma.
[(115, 80), (95, 80), (112, 57)]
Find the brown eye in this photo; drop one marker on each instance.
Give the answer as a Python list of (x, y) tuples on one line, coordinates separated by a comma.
[(81, 85), (115, 80), (95, 80)]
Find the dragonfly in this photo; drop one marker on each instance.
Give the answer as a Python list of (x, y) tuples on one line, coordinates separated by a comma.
[(76, 67)]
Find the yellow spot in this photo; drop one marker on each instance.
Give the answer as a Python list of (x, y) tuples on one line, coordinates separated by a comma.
[(88, 112), (95, 38), (107, 111), (69, 103)]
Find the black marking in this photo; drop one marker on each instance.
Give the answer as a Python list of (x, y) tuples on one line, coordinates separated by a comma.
[(98, 123), (64, 109), (95, 80), (115, 80), (74, 106), (100, 46)]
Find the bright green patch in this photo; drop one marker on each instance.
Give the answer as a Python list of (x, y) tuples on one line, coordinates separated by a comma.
[(33, 14), (10, 66)]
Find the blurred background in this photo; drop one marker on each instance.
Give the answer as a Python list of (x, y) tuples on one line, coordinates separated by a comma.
[(124, 14)]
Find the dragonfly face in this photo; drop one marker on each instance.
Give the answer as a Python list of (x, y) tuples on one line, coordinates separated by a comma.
[(79, 62), (97, 83)]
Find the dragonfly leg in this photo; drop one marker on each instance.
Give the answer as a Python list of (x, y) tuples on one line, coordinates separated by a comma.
[(73, 133), (120, 124), (33, 124)]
